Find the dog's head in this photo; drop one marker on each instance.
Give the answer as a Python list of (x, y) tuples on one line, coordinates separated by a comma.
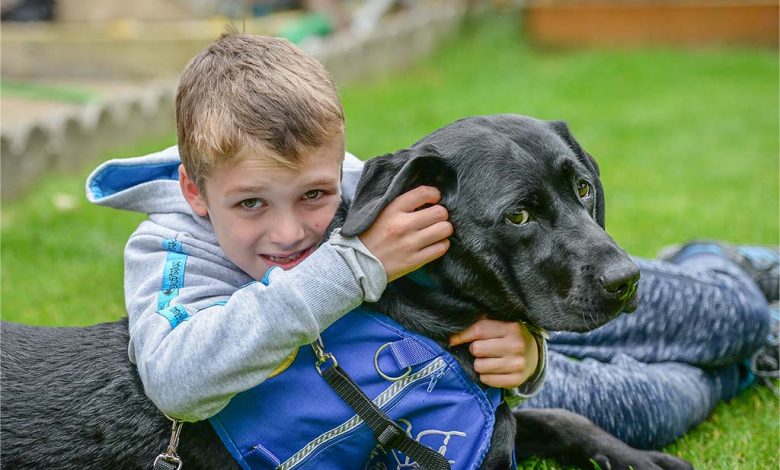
[(527, 208)]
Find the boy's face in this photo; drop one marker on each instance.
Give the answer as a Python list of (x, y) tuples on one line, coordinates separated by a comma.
[(267, 215)]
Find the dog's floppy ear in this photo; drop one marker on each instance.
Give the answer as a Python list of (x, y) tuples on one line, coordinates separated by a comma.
[(562, 130), (387, 177)]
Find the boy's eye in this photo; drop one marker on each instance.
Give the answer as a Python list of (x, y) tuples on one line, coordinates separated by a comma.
[(253, 203), (313, 194)]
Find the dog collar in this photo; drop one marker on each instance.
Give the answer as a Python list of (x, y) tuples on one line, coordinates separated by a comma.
[(420, 276), (536, 331)]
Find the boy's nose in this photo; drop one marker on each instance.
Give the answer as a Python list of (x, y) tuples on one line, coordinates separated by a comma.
[(286, 232)]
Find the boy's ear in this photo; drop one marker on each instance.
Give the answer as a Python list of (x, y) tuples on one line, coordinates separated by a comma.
[(387, 177), (192, 194)]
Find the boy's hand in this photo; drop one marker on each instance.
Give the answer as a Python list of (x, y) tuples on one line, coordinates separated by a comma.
[(506, 354), (404, 238)]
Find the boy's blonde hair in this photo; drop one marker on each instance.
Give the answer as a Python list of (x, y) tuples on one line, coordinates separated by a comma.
[(253, 93)]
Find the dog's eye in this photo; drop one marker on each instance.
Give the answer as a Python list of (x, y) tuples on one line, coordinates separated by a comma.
[(583, 189), (519, 218)]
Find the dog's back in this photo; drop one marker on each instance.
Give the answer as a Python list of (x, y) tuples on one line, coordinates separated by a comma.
[(80, 373), (72, 399)]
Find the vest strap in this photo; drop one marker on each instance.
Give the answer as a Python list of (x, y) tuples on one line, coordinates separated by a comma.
[(408, 352), (387, 432)]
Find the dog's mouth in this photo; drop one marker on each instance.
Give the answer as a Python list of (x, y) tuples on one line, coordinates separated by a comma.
[(631, 300), (598, 313), (582, 310), (609, 294)]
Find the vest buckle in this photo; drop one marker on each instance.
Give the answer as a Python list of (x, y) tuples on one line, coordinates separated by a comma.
[(322, 356)]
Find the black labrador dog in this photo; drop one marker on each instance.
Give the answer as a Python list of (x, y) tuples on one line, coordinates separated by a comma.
[(527, 207)]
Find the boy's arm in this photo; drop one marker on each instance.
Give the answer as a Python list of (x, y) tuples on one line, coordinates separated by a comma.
[(198, 340)]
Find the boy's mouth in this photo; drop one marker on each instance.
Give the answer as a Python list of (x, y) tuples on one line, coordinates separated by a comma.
[(288, 260)]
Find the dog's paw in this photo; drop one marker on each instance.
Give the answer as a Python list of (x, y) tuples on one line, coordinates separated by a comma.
[(575, 440), (630, 458), (669, 462)]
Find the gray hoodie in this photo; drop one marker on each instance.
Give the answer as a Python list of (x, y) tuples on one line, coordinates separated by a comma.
[(202, 330)]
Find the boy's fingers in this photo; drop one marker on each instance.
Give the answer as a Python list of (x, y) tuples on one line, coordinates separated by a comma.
[(428, 216), (483, 329), (423, 256), (432, 252), (414, 198), (494, 365), (463, 337), (496, 347), (501, 380), (432, 234)]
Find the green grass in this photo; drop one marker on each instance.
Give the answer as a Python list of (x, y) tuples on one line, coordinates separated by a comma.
[(63, 265), (41, 92), (687, 141)]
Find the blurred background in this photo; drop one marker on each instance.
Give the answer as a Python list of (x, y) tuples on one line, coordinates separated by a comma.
[(677, 100), (80, 77)]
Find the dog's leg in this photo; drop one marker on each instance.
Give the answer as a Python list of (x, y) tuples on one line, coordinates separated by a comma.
[(500, 454), (575, 440)]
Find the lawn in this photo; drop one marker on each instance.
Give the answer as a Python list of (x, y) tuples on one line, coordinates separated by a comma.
[(687, 141)]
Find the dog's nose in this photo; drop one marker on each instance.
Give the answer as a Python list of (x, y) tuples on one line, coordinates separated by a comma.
[(621, 281)]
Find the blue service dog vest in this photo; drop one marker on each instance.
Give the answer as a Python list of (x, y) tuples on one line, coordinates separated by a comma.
[(294, 420)]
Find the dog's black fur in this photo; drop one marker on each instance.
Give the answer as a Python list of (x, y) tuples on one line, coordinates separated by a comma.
[(71, 398)]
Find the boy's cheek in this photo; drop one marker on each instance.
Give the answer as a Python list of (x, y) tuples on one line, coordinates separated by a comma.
[(324, 217)]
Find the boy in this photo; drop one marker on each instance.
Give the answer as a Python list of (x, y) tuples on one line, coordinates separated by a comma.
[(261, 140)]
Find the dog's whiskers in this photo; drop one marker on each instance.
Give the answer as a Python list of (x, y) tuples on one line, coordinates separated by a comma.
[(585, 319)]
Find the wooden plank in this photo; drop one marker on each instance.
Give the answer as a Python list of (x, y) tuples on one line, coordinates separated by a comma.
[(587, 22)]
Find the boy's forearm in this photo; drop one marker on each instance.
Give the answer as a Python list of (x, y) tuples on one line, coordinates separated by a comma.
[(192, 370)]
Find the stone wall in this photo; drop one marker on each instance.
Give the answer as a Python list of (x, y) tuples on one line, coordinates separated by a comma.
[(69, 139)]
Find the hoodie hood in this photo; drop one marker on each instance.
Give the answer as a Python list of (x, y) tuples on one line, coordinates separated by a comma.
[(148, 184)]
